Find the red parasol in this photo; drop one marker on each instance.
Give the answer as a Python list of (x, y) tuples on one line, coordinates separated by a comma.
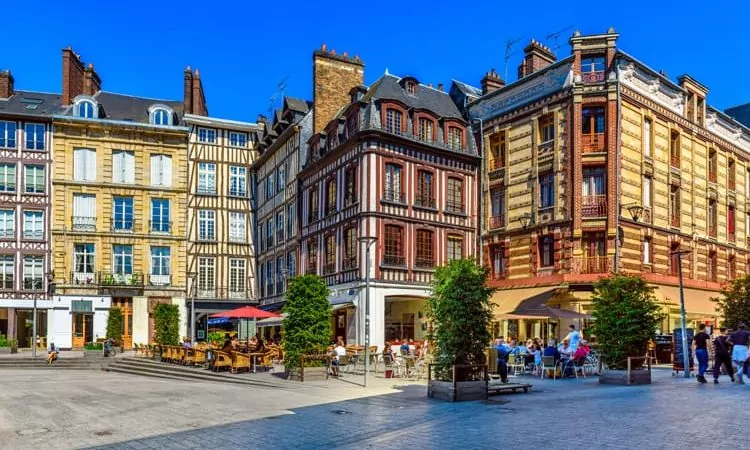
[(246, 312)]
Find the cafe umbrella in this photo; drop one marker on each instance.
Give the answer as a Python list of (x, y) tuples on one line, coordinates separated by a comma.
[(246, 312)]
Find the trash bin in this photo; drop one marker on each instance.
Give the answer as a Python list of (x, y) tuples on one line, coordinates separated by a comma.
[(389, 373)]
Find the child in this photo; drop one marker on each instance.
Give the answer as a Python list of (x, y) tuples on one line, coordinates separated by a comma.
[(537, 359)]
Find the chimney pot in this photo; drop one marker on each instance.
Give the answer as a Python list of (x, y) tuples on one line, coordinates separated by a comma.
[(333, 51), (345, 54), (323, 48), (6, 84), (440, 87)]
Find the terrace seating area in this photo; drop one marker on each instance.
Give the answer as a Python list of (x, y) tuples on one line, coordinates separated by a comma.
[(245, 358)]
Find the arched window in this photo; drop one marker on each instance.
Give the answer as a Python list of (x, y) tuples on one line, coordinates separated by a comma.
[(160, 115), (547, 251), (85, 109)]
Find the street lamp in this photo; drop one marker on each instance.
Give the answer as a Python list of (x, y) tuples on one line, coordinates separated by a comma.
[(685, 356), (49, 276), (635, 211), (524, 220), (191, 277), (367, 240)]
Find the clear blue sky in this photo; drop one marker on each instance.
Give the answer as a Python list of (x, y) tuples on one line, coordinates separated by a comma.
[(245, 48)]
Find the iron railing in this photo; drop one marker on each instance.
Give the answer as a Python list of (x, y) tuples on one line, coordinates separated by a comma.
[(593, 77), (392, 196), (394, 260), (84, 223), (594, 206), (592, 265)]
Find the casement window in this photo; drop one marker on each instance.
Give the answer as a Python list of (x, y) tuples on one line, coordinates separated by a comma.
[(674, 149), (86, 109), (425, 251), (160, 215), (455, 195), (731, 268), (497, 151), (33, 272), (206, 225), (33, 179), (350, 186), (161, 116), (425, 130), (731, 174), (593, 127), (281, 177), (455, 247), (279, 275), (455, 138), (393, 183), (206, 274), (425, 195), (312, 204), (291, 220), (546, 251), (312, 256), (207, 135), (331, 192), (269, 277), (237, 275), (7, 224), (291, 263), (593, 192), (547, 128), (674, 259), (593, 64), (674, 205), (713, 217), (7, 134), (161, 170), (713, 165), (269, 233), (33, 224), (122, 213), (271, 185), (394, 245), (499, 262), (160, 262), (350, 248), (280, 226), (393, 121), (647, 150), (84, 164), (497, 207), (206, 178), (34, 136), (7, 177), (7, 268), (237, 139), (646, 250), (330, 256), (123, 167), (84, 212), (122, 259), (646, 191), (547, 190), (731, 223), (83, 262), (238, 181), (712, 268), (237, 226)]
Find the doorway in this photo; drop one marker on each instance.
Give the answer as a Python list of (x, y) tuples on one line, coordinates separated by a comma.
[(83, 329), (340, 325), (125, 304)]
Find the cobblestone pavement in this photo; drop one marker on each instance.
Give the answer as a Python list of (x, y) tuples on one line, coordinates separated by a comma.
[(109, 411)]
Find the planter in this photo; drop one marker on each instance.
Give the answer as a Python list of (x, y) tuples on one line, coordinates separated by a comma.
[(310, 374), (625, 378), (456, 392)]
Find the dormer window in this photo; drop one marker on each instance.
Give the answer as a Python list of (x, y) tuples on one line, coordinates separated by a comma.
[(86, 109), (411, 88), (160, 115)]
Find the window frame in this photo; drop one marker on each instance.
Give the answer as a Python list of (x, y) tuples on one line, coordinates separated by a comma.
[(206, 225), (393, 248), (235, 218), (546, 251), (546, 128), (207, 135), (8, 182), (87, 258), (7, 272), (237, 275), (122, 258), (36, 232), (394, 121), (8, 134), (33, 281), (424, 252), (207, 172), (329, 266), (161, 260), (158, 210), (123, 213), (38, 145), (331, 196), (351, 247), (546, 182), (238, 181), (350, 185), (454, 242), (393, 186), (238, 139), (7, 217), (36, 186), (454, 190), (455, 138), (424, 194)]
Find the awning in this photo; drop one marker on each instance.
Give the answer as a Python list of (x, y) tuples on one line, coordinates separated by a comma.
[(341, 301), (508, 300), (696, 301), (219, 321), (273, 321), (532, 304)]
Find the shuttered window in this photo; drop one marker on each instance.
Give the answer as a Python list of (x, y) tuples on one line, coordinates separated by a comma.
[(161, 170), (123, 167), (84, 164)]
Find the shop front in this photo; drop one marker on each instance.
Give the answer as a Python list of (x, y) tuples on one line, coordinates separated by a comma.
[(75, 321), (405, 320), (17, 321)]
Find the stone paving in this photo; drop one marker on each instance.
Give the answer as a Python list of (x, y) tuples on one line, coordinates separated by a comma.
[(109, 411)]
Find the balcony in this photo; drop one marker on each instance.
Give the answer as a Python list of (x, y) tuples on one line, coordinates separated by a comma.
[(424, 262), (121, 279), (592, 265), (497, 222), (394, 260), (593, 77), (330, 210), (313, 216), (122, 225), (84, 278), (160, 227), (392, 196), (159, 280), (84, 223), (455, 209), (235, 293), (350, 262), (33, 284), (674, 219), (593, 143), (732, 236), (424, 201), (594, 206), (712, 231), (712, 176), (329, 268)]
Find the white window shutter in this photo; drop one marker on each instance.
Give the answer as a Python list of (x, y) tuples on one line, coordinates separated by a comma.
[(155, 170), (129, 162), (117, 167), (79, 159), (166, 176), (90, 165)]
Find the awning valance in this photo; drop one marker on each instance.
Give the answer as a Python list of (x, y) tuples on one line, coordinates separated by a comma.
[(696, 300), (531, 303)]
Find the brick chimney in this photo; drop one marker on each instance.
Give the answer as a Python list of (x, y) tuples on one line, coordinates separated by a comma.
[(536, 57), (72, 76), (91, 81), (334, 76), (187, 93), (199, 107), (6, 84), (491, 82)]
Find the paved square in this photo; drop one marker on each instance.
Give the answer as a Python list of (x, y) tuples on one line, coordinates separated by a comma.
[(78, 409)]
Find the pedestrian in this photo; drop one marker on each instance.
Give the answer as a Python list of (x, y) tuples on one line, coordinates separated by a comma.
[(573, 337), (722, 355), (739, 340), (700, 341), (502, 359)]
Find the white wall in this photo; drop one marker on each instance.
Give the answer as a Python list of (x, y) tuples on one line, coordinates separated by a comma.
[(140, 320), (60, 319), (184, 319)]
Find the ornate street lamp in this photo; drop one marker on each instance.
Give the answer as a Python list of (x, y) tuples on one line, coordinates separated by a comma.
[(192, 276), (368, 241), (524, 220), (635, 211), (685, 356)]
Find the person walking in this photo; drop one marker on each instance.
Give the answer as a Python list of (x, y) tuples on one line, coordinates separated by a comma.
[(573, 337), (700, 341), (502, 359), (739, 340), (722, 355)]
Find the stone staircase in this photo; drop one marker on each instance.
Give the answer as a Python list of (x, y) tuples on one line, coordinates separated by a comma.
[(88, 362), (156, 369)]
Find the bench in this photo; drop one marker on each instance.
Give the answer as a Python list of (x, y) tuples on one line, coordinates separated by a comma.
[(499, 388)]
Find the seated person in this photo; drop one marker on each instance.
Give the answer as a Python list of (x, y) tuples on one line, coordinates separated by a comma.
[(566, 351), (405, 350), (338, 351), (418, 350), (228, 347), (581, 352), (259, 345), (551, 350), (52, 353)]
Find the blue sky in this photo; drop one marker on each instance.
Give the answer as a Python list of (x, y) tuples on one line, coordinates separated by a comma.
[(243, 49)]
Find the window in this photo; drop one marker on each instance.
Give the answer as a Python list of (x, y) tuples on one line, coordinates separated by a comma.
[(7, 134), (33, 179), (85, 109), (646, 250), (394, 248), (425, 195), (7, 224), (123, 259), (312, 256), (313, 204), (237, 275), (161, 170), (712, 266), (206, 135), (270, 185), (497, 200), (712, 165), (455, 247), (84, 212), (269, 232), (592, 64), (425, 249), (499, 263), (425, 130), (547, 190), (122, 214), (291, 264), (674, 259), (731, 172), (547, 127), (546, 251), (33, 272), (206, 225), (747, 225), (290, 220), (206, 274), (123, 167), (350, 186), (674, 149), (280, 275), (280, 226), (731, 268), (455, 196), (674, 205), (747, 183), (647, 137), (7, 177), (411, 88), (281, 177), (713, 217), (33, 224), (83, 260), (330, 256), (269, 277), (34, 136), (238, 181), (7, 267), (237, 139), (237, 226), (497, 151), (352, 123), (731, 225), (593, 123), (455, 138), (161, 116), (260, 242), (393, 121), (592, 189), (646, 191), (331, 196), (84, 164), (350, 248), (160, 215), (393, 192), (160, 262), (206, 178)]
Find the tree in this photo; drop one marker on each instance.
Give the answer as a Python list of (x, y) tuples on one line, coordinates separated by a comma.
[(166, 324), (626, 317), (308, 322), (734, 302), (460, 311), (114, 324)]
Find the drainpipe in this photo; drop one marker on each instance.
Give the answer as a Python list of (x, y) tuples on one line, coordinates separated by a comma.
[(480, 191), (617, 172)]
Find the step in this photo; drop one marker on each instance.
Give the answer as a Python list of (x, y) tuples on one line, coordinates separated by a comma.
[(135, 363), (184, 373), (125, 371)]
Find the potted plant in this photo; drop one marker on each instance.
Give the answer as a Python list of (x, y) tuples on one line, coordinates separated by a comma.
[(13, 344), (460, 311), (626, 317), (4, 344), (166, 324), (307, 327)]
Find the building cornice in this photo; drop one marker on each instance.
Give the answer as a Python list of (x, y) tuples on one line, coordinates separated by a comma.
[(220, 123), (109, 123)]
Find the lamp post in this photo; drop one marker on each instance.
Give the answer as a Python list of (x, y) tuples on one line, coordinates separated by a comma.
[(48, 277), (367, 240), (524, 220), (191, 277), (685, 356)]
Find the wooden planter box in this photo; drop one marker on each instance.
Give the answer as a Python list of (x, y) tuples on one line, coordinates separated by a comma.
[(628, 376), (310, 374), (461, 391)]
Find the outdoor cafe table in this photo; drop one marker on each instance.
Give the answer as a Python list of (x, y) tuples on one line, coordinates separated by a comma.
[(254, 356)]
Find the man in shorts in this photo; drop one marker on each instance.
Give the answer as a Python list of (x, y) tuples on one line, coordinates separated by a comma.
[(740, 339)]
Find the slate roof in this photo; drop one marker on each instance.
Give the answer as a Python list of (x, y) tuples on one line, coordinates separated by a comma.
[(468, 89), (131, 109), (32, 104), (740, 113), (297, 104), (388, 88)]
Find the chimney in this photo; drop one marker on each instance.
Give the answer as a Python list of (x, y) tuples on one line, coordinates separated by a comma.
[(6, 84), (187, 92), (536, 57), (72, 76), (440, 87), (91, 81), (491, 82), (334, 76), (198, 107)]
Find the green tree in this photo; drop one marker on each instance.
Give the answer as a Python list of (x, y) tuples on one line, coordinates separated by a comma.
[(626, 317), (460, 311), (734, 303), (308, 322), (166, 324), (114, 324)]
